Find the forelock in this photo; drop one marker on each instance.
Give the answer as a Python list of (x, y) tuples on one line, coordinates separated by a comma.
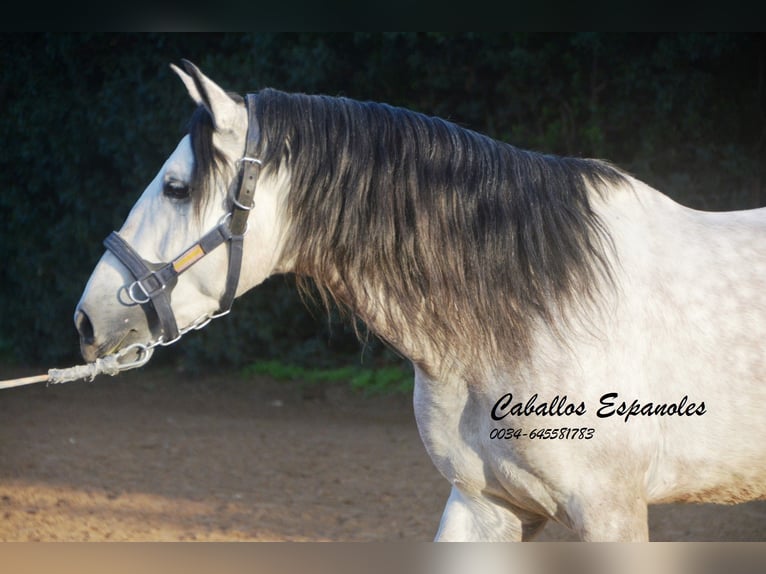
[(209, 162)]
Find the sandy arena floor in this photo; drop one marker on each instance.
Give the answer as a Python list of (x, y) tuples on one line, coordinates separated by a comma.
[(150, 456)]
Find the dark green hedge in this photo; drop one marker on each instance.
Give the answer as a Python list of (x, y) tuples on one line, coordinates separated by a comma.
[(87, 120)]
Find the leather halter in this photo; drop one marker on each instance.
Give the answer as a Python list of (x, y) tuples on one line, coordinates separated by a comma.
[(155, 281)]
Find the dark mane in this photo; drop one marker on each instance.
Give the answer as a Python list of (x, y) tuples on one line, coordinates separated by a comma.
[(434, 231), (209, 162)]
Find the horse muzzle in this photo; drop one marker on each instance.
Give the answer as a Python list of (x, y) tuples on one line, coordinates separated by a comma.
[(98, 341)]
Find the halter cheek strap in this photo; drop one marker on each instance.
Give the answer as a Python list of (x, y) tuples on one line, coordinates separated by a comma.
[(155, 281)]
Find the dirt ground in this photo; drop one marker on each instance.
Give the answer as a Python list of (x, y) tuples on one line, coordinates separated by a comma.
[(154, 456)]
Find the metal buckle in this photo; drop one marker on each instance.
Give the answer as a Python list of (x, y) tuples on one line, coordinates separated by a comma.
[(240, 205), (237, 203)]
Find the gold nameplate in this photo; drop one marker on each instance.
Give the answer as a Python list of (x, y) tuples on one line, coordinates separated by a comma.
[(188, 258)]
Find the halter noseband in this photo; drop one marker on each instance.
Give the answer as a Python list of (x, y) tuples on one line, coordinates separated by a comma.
[(154, 282)]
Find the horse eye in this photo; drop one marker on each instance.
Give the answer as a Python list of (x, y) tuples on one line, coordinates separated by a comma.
[(175, 189)]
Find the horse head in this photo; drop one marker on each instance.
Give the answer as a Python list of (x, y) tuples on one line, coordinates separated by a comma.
[(175, 263)]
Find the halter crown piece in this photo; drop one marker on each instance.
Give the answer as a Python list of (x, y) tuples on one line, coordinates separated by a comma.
[(155, 281)]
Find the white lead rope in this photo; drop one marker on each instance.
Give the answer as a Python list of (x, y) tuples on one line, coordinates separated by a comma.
[(109, 365)]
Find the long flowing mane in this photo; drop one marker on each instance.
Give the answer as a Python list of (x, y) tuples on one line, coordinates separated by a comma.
[(419, 226)]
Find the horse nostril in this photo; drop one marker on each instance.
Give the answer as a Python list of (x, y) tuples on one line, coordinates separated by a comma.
[(84, 327)]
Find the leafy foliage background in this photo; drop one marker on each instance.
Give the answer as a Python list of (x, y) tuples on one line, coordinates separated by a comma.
[(87, 119)]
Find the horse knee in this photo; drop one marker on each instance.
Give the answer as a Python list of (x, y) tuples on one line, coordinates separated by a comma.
[(613, 521)]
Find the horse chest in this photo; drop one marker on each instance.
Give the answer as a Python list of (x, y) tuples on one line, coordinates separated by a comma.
[(451, 420), (441, 414)]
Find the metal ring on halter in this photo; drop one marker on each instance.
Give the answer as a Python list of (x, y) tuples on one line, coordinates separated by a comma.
[(226, 217), (135, 298), (144, 354)]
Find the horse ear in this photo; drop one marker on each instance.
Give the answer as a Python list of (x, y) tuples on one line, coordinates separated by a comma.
[(189, 83), (205, 92)]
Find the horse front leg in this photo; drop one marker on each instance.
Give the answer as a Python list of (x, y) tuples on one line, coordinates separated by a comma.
[(622, 518), (477, 518)]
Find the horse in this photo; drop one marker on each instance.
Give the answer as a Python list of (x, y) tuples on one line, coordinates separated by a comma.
[(583, 346)]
